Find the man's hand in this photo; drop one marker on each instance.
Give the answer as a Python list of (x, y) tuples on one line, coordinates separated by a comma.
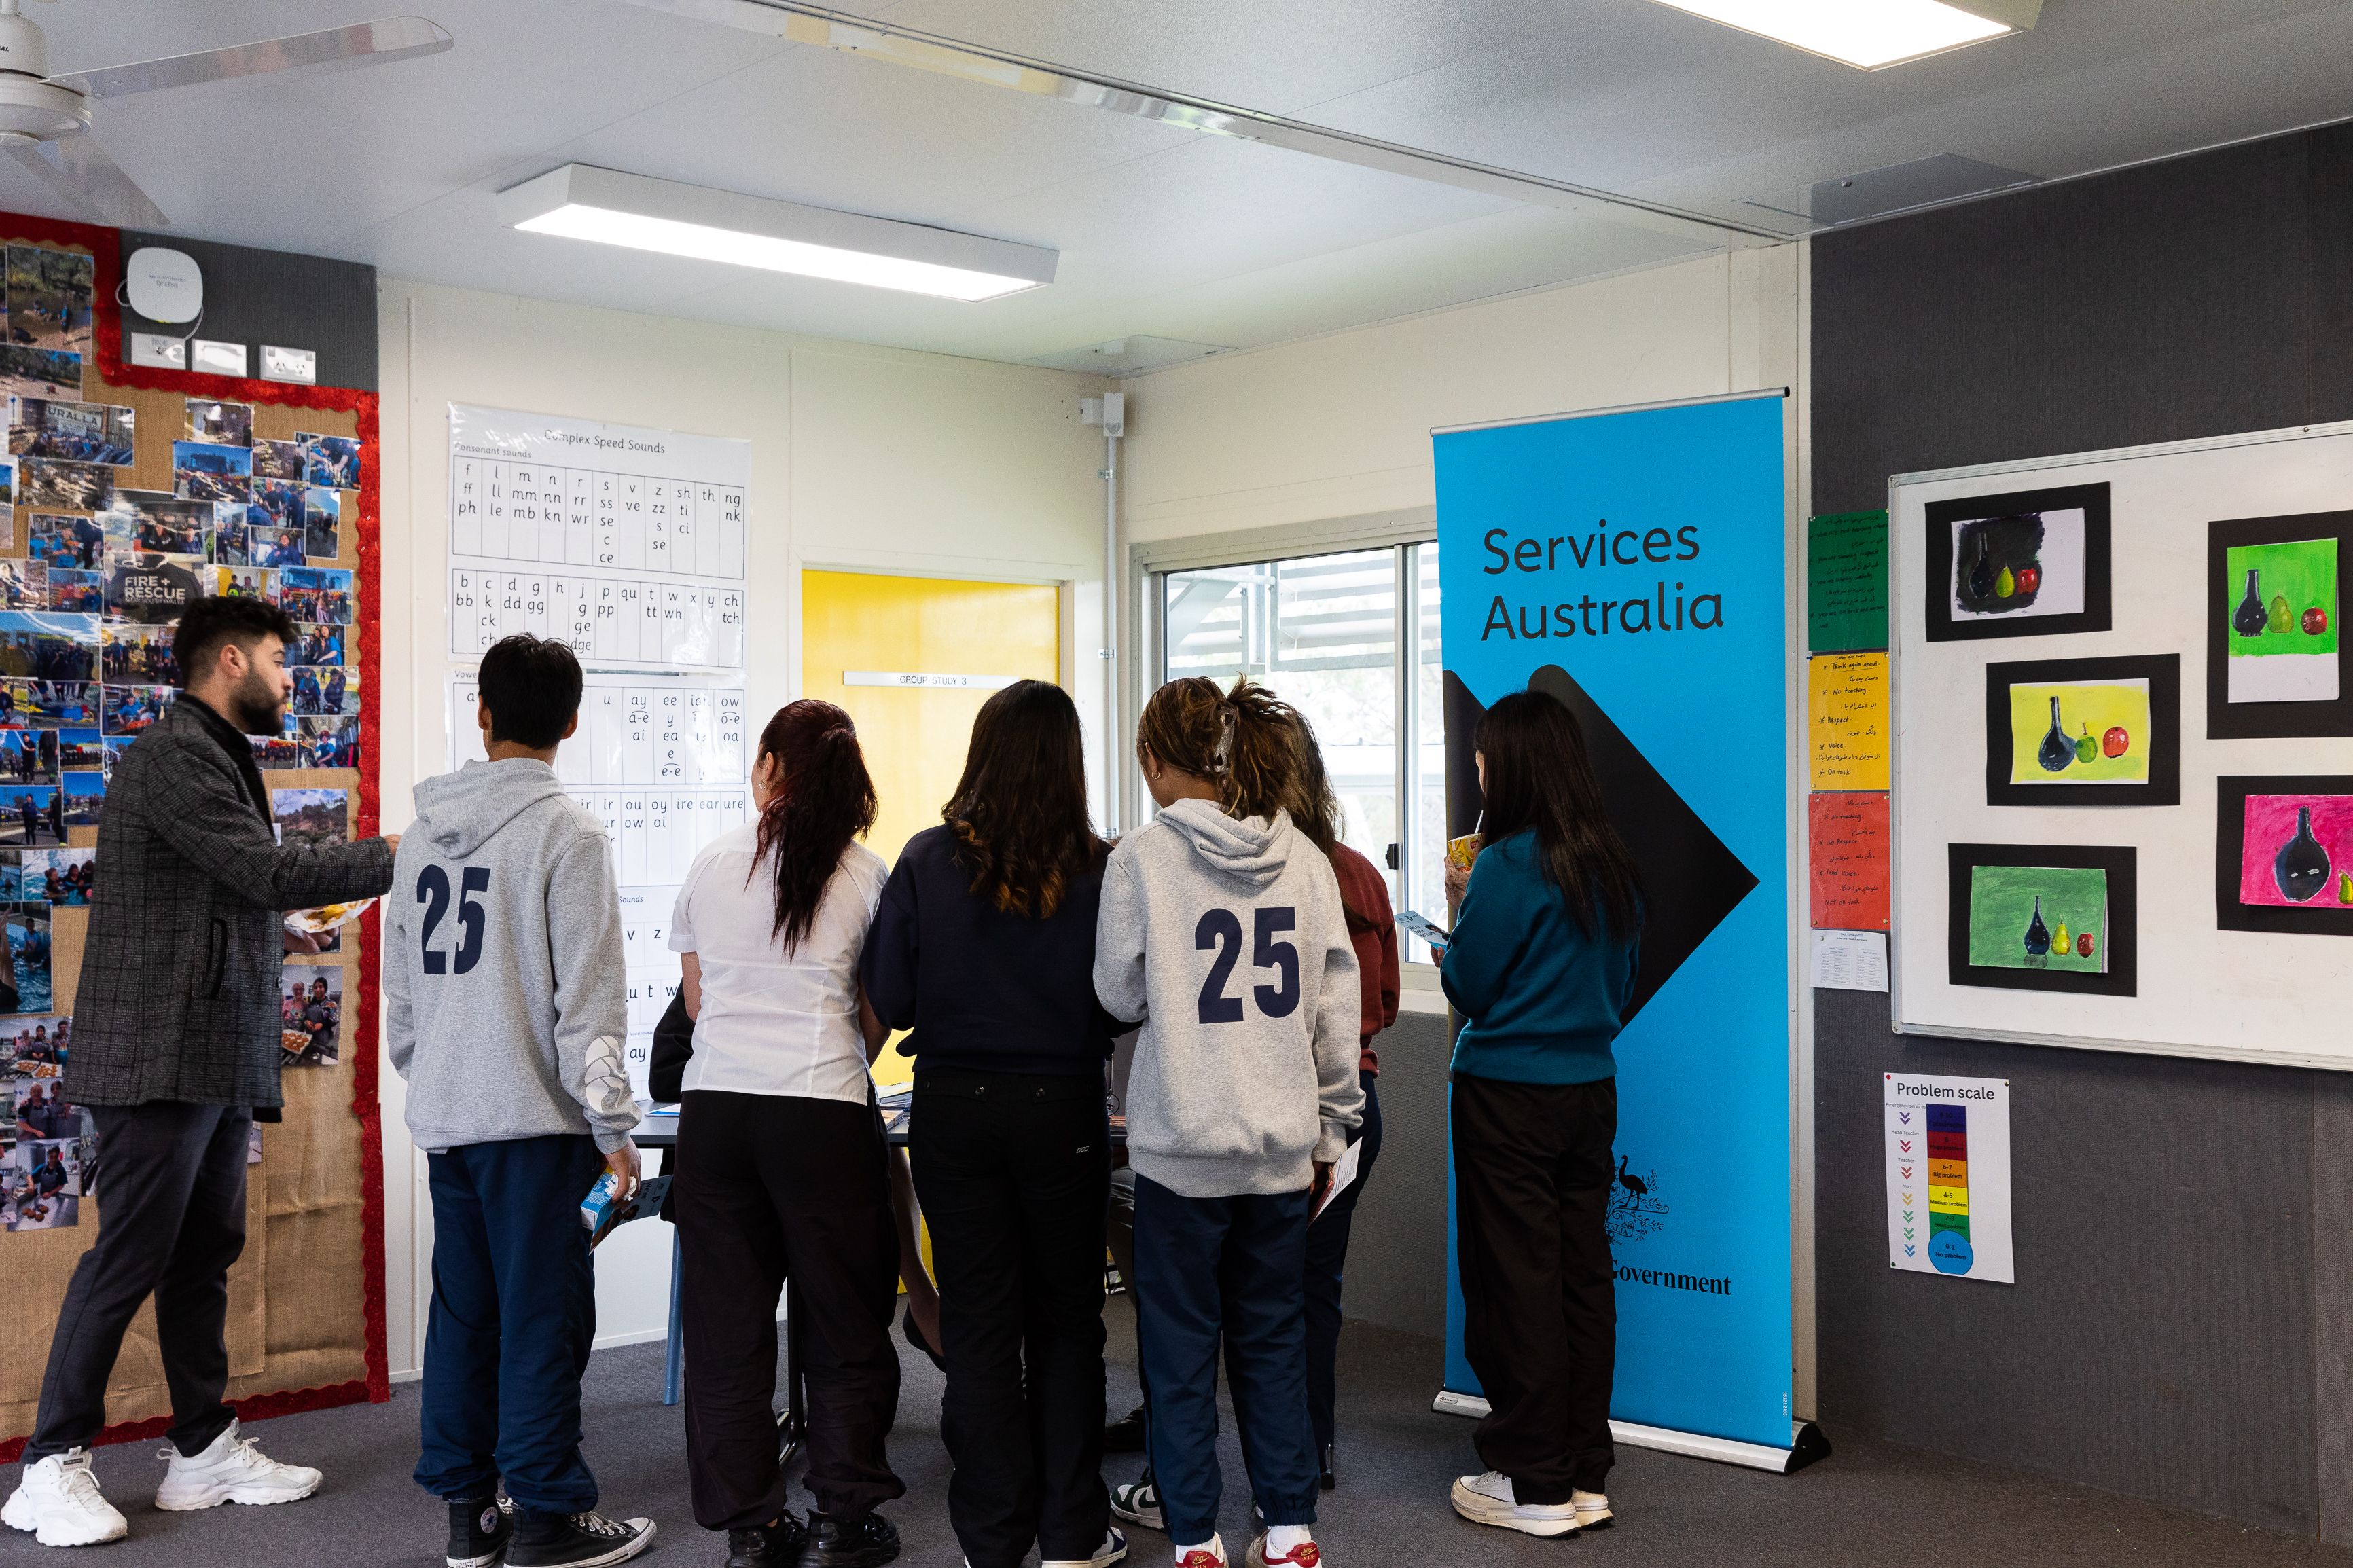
[(302, 941), (626, 1168), (391, 842), (1322, 1185)]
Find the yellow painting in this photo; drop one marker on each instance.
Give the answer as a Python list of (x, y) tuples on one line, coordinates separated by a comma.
[(2079, 732)]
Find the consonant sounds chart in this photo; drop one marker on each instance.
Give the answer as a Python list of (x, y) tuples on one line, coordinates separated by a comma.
[(627, 544)]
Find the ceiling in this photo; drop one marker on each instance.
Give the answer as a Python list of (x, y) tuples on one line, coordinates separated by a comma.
[(1162, 231)]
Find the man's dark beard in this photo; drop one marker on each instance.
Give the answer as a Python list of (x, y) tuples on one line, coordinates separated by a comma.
[(255, 707)]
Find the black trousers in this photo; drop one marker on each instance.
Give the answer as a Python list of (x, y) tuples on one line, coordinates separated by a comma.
[(772, 1185), (1532, 1175), (1327, 1255), (1012, 1170), (170, 1221)]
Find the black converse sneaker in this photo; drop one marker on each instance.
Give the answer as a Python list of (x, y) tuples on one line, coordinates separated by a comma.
[(836, 1543), (478, 1530), (576, 1541), (778, 1545)]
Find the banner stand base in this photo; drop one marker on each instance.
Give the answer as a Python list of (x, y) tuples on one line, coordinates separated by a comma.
[(1807, 1443)]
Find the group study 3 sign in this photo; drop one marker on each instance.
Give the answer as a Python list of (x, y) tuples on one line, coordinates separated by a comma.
[(1633, 565)]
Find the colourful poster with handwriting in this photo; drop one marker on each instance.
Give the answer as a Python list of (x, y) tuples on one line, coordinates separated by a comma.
[(1847, 859), (1847, 723)]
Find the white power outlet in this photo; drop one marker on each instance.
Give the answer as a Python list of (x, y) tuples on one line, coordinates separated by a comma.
[(161, 353)]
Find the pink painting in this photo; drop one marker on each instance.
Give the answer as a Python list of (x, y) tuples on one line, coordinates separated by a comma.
[(2297, 852)]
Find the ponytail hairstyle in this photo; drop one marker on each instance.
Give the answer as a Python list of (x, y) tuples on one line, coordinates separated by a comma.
[(1314, 808), (1239, 741), (823, 800), (1019, 812), (1540, 776)]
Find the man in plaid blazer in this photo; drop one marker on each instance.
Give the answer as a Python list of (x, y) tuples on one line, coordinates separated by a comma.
[(176, 1052)]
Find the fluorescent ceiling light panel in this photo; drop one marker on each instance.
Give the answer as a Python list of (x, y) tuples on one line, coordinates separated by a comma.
[(612, 208), (1869, 33)]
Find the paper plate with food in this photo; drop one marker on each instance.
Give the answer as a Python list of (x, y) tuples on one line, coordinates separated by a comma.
[(325, 918)]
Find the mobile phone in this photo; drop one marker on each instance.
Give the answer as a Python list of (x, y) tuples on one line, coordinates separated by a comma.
[(1425, 928)]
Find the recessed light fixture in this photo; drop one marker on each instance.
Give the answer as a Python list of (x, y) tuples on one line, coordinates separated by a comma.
[(579, 202), (1870, 33)]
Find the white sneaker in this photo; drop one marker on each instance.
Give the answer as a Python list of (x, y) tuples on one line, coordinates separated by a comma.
[(1487, 1499), (1592, 1510), (233, 1469), (1114, 1548), (59, 1502)]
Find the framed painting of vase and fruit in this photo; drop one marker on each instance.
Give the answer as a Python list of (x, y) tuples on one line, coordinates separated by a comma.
[(2283, 853), (2041, 917), (2084, 731), (2276, 662), (2028, 563)]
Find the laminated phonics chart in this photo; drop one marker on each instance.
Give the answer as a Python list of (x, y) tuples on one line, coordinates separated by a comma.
[(1948, 1175), (628, 544)]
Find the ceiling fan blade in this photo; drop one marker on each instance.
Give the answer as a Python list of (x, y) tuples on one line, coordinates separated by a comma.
[(83, 174), (311, 54)]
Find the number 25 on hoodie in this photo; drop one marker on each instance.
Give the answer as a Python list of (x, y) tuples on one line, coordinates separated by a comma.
[(1228, 939)]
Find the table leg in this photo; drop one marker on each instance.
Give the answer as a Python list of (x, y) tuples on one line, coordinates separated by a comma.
[(673, 1354)]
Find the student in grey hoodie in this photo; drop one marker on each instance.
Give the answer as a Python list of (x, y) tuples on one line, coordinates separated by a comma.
[(505, 1012), (1222, 929)]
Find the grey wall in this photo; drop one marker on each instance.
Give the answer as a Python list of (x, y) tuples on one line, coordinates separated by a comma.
[(1397, 1244), (256, 296), (2182, 1327)]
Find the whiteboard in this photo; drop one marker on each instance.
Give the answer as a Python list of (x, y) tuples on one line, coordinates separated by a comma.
[(2198, 989)]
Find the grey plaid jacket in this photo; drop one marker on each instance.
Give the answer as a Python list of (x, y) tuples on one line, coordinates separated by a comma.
[(179, 996)]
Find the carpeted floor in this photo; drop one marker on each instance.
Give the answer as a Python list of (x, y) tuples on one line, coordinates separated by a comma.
[(1870, 1505)]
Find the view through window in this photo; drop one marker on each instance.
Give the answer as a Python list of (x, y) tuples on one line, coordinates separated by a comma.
[(1324, 633)]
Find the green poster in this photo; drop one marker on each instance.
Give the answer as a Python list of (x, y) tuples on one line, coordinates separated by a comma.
[(2039, 917), (1846, 582)]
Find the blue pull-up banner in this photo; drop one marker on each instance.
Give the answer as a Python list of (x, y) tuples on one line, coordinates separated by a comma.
[(1635, 564)]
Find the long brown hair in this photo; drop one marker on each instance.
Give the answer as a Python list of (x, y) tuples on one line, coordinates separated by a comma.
[(1314, 808), (824, 800), (1019, 812), (1239, 741), (1540, 776)]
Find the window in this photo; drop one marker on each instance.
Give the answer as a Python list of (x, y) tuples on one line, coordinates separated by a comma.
[(1323, 631)]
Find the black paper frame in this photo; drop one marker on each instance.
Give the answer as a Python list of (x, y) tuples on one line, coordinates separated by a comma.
[(2121, 862), (2229, 721), (2163, 673), (2094, 617), (2230, 793)]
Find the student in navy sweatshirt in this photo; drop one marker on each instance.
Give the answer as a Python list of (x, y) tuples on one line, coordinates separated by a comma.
[(984, 946), (1542, 965)]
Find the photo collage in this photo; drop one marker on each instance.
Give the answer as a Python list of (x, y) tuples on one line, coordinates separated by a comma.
[(48, 1146)]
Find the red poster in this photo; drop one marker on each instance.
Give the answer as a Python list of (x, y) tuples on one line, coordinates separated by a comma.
[(1848, 831)]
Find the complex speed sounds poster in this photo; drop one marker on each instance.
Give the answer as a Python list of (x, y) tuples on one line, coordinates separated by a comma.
[(1632, 564)]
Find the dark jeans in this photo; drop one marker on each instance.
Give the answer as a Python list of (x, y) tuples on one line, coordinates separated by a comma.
[(1327, 1251), (1532, 1176), (1012, 1170), (170, 1221), (770, 1187), (1227, 1271), (513, 1318)]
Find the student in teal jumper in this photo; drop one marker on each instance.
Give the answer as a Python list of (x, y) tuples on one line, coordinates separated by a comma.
[(1547, 940)]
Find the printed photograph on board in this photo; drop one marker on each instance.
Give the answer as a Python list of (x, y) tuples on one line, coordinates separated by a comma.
[(330, 742), (27, 372), (27, 757), (322, 514), (318, 645), (244, 583), (28, 954), (153, 522), (283, 752), (76, 432), (47, 646), (36, 1047), (208, 471), (147, 588), (49, 297), (60, 877), (321, 595), (31, 814), (23, 585), (130, 709), (239, 536), (51, 484), (139, 656), (76, 593), (311, 1015), (82, 798), (326, 693), (277, 460), (329, 460), (48, 704), (312, 818), (2283, 621), (78, 750), (219, 424), (55, 540)]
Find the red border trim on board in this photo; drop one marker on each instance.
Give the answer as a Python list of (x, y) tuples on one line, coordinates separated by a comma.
[(105, 245)]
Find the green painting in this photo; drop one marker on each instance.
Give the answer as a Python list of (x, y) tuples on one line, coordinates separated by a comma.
[(2039, 917), (2283, 599)]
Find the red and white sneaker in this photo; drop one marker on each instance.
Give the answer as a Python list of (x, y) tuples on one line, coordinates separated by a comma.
[(1212, 1556), (1302, 1554)]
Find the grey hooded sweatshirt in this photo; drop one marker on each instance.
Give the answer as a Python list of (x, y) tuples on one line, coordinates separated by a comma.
[(505, 1005), (1229, 941)]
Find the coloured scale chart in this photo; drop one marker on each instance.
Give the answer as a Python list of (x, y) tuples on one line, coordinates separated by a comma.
[(1949, 1176)]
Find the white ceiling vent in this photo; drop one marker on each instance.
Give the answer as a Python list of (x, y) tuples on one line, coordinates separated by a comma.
[(1898, 188)]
